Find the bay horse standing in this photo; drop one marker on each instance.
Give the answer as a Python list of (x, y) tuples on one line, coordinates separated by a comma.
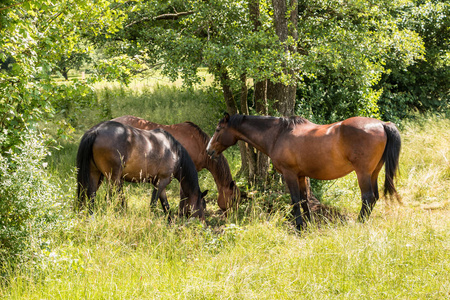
[(120, 153), (299, 149), (195, 140)]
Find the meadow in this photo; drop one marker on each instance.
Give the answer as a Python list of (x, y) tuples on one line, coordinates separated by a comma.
[(402, 252)]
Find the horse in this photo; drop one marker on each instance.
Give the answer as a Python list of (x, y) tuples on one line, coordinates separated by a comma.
[(194, 140), (120, 153), (300, 149)]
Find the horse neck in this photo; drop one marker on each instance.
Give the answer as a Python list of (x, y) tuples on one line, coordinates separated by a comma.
[(260, 132), (187, 175), (220, 170)]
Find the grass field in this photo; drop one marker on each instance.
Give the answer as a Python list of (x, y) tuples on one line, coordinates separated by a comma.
[(402, 252)]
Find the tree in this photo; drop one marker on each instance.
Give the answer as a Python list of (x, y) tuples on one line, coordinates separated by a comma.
[(424, 85), (286, 25), (36, 35), (74, 61), (335, 52), (347, 48), (235, 40)]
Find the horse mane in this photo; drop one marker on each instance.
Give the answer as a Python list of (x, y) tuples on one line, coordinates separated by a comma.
[(205, 137), (186, 167), (220, 165), (285, 123)]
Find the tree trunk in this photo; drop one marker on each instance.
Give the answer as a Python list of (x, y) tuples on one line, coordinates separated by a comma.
[(227, 92), (262, 160), (65, 73), (248, 159), (247, 156), (261, 106), (285, 27)]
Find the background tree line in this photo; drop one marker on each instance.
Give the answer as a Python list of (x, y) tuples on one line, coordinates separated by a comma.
[(326, 60)]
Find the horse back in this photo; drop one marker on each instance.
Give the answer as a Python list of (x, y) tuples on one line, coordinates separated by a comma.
[(333, 150), (135, 154), (190, 136)]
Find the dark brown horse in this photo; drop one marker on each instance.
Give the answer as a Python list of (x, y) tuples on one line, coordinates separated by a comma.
[(120, 152), (194, 140), (300, 149)]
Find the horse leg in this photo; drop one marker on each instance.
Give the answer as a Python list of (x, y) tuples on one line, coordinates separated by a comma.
[(367, 194), (303, 187), (116, 181), (292, 183), (183, 209), (374, 179), (161, 194), (154, 198), (95, 179)]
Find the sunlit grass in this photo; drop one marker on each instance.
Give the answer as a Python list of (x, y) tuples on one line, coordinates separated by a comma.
[(135, 256), (154, 78)]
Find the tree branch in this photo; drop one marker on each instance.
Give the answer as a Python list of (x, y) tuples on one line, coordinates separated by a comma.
[(174, 16), (12, 5)]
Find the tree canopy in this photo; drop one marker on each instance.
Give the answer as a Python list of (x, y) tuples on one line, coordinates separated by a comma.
[(342, 58)]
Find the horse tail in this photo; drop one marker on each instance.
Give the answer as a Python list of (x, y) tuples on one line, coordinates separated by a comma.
[(391, 158), (84, 157)]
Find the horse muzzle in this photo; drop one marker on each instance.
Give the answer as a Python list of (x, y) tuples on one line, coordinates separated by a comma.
[(211, 153)]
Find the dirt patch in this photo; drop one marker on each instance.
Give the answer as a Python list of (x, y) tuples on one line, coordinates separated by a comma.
[(325, 214)]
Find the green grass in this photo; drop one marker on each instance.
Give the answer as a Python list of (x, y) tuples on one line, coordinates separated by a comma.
[(402, 252)]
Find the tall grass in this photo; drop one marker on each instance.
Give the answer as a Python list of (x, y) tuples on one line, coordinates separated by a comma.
[(253, 253)]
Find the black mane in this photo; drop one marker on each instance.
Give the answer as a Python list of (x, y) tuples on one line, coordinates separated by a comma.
[(267, 122), (186, 173)]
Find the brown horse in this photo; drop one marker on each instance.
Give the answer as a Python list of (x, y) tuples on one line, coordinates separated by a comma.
[(300, 149), (194, 140), (120, 152)]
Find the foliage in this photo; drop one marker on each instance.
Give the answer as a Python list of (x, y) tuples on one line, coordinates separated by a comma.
[(348, 47), (31, 205), (36, 36), (343, 49), (425, 85)]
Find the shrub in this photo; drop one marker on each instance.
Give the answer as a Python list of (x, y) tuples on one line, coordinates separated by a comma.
[(30, 203)]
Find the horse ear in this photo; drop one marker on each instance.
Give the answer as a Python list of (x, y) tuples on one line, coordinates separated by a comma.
[(204, 193), (226, 116), (232, 184)]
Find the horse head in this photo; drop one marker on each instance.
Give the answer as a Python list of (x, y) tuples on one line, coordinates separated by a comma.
[(229, 196), (222, 139)]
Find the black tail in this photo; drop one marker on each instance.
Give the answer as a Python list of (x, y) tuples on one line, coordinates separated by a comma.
[(84, 157), (391, 158)]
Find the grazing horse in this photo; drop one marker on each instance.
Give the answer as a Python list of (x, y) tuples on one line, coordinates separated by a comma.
[(194, 140), (300, 149), (120, 152)]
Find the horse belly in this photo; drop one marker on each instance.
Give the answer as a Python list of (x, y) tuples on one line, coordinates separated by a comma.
[(318, 157), (331, 171), (144, 169), (138, 175)]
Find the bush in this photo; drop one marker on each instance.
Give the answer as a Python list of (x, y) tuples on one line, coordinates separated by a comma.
[(30, 203)]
